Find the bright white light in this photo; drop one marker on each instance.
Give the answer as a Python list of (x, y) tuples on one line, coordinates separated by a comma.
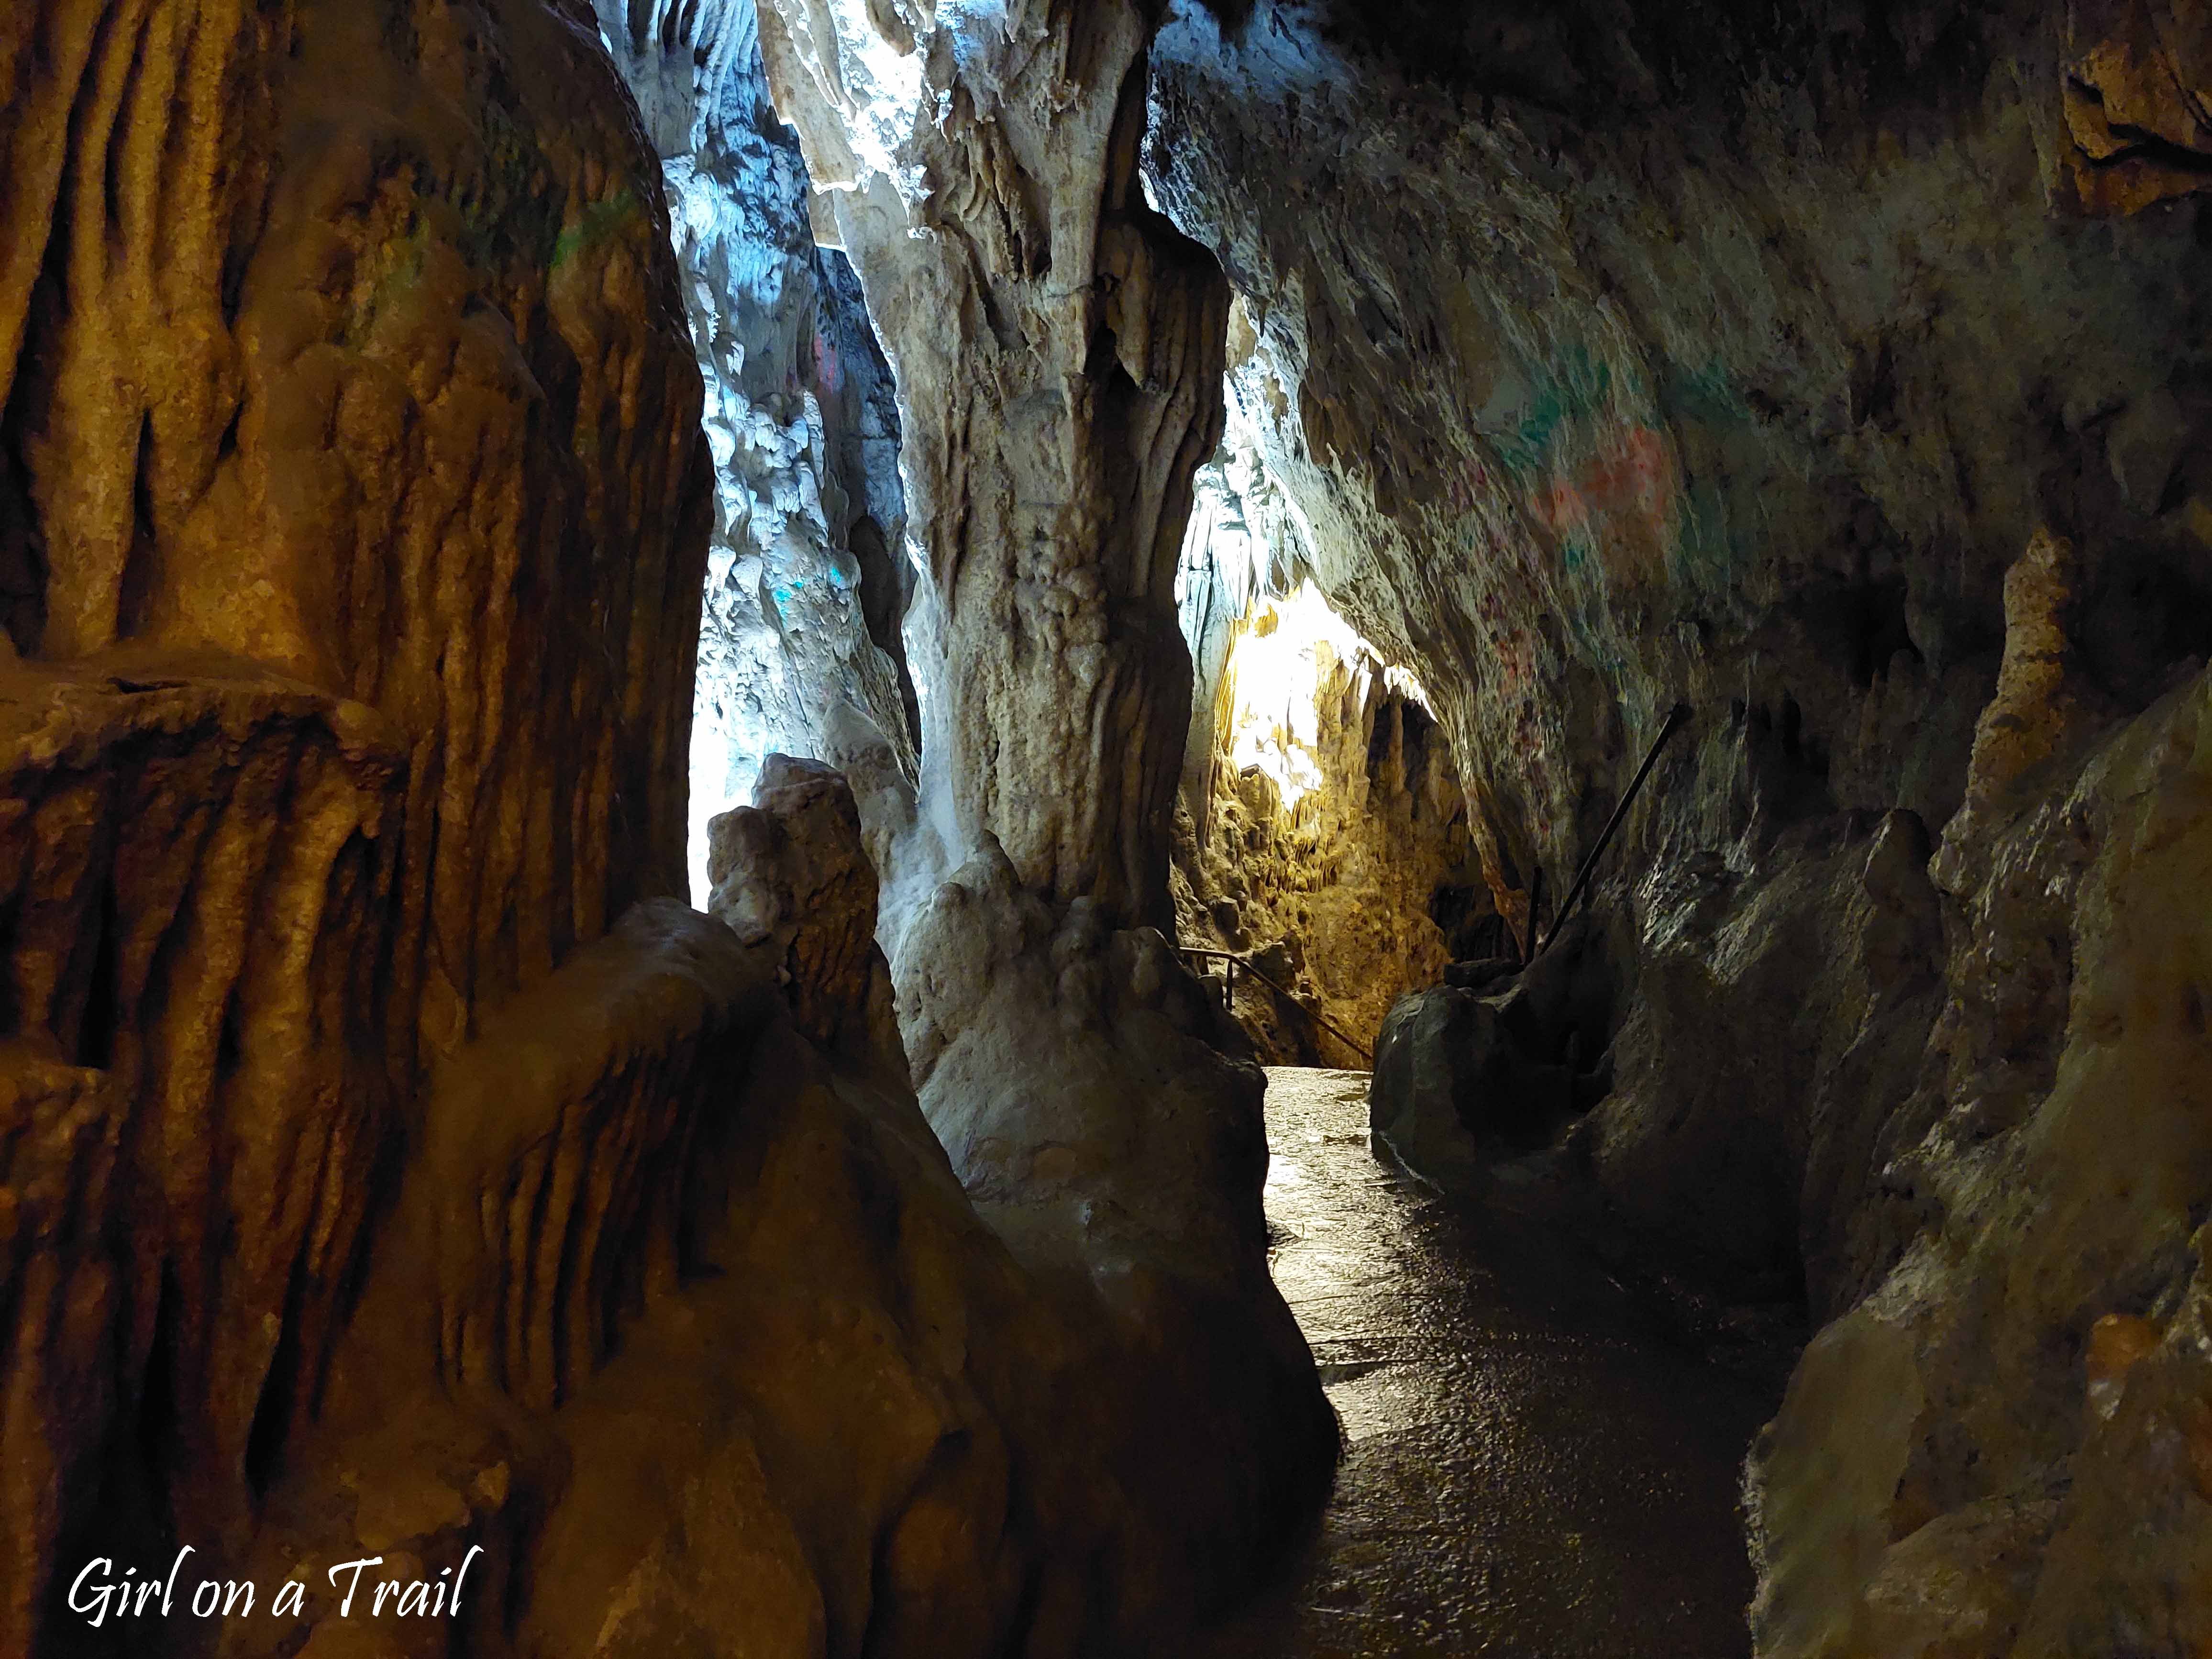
[(881, 97), (1286, 648)]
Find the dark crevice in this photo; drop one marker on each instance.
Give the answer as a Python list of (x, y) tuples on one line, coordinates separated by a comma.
[(98, 1023), (157, 1436), (135, 596), (273, 1410)]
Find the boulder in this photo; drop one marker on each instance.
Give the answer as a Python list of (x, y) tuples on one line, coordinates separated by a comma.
[(1457, 1080)]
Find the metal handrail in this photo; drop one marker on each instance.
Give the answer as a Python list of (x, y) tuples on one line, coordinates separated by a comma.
[(1237, 959), (1675, 716)]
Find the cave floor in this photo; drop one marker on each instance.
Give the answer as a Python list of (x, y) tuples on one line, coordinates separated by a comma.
[(1535, 1467)]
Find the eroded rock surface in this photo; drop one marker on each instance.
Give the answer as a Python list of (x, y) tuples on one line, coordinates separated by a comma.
[(1057, 346), (2023, 1379), (1320, 827), (1604, 379), (393, 1165), (351, 511), (1836, 370), (808, 576)]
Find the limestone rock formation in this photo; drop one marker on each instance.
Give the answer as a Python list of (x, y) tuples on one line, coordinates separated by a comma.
[(1960, 1453), (1777, 1026), (1837, 370), (1058, 351), (1336, 897), (196, 1101), (1057, 347), (791, 873), (412, 411), (2134, 102), (351, 512), (1603, 378), (1467, 1075), (390, 1165), (1348, 866), (808, 577)]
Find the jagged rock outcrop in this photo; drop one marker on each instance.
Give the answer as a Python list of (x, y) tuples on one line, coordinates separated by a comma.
[(684, 1315), (1839, 370), (1057, 347), (392, 1165), (350, 515), (1998, 1445), (808, 577), (791, 873)]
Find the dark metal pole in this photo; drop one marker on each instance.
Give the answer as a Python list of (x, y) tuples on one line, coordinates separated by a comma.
[(1675, 716)]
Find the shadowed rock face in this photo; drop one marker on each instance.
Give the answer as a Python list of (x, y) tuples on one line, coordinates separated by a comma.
[(1616, 356), (1840, 370), (351, 510), (390, 1163)]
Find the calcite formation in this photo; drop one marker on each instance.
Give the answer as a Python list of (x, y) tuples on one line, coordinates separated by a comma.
[(1837, 370), (1999, 1443), (791, 873), (1355, 881), (1335, 899), (198, 1094), (1058, 349), (352, 501), (808, 574), (396, 1177), (1057, 346)]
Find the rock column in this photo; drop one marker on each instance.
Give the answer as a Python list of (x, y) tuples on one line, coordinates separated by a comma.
[(1058, 347)]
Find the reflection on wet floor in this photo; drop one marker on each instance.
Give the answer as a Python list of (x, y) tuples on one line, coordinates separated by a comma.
[(1531, 1469)]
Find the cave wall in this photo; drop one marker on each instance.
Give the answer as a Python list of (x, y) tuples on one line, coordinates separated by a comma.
[(1836, 370), (1605, 378), (390, 1163), (2000, 1444), (351, 514), (1364, 886), (808, 573), (1334, 898)]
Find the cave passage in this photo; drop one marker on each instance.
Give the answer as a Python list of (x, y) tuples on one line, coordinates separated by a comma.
[(1106, 548), (1535, 1463)]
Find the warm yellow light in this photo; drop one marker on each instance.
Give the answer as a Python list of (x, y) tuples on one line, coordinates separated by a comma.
[(1276, 667)]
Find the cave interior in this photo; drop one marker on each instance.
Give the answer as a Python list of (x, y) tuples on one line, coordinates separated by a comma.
[(1057, 829)]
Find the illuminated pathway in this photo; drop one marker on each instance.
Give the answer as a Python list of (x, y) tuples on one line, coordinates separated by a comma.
[(1530, 1472)]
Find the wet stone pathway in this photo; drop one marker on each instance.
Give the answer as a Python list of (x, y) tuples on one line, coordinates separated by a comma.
[(1533, 1467)]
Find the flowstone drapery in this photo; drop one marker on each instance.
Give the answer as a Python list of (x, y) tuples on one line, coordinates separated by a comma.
[(800, 649), (391, 1165)]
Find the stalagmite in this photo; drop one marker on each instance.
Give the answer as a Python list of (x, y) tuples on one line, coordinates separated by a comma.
[(399, 1178)]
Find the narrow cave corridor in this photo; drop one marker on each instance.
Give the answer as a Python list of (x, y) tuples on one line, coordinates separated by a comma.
[(1535, 1462), (1064, 829)]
